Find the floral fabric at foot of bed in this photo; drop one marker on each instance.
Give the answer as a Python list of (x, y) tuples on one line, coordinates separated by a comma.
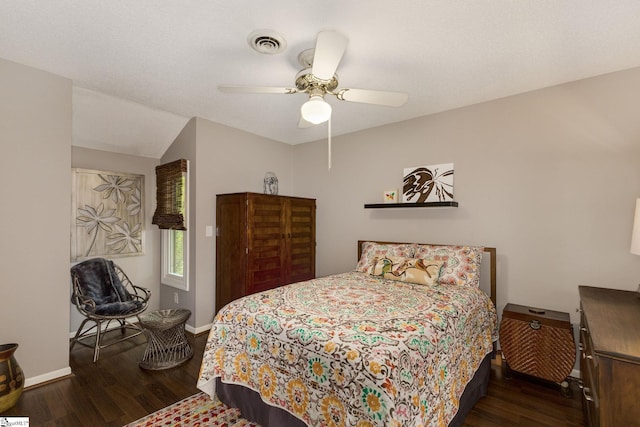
[(354, 350)]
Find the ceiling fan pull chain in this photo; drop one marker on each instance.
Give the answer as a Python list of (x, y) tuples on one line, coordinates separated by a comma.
[(329, 142)]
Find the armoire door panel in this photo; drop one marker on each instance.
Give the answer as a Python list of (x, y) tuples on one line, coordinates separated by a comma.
[(301, 271), (231, 256), (266, 246), (301, 242), (263, 280)]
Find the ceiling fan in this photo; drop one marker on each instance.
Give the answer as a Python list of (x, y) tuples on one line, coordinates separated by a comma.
[(318, 78)]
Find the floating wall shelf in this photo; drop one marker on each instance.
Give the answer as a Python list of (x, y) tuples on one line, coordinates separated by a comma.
[(411, 205)]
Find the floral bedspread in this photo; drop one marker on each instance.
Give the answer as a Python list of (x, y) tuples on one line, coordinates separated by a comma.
[(354, 350)]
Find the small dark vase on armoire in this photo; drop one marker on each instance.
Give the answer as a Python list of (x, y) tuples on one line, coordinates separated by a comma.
[(262, 242)]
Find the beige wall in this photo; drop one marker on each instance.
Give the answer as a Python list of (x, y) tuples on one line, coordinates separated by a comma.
[(143, 270), (35, 166), (222, 160), (549, 178)]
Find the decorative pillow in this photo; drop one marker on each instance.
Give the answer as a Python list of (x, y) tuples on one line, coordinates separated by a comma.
[(462, 263), (414, 270), (371, 250)]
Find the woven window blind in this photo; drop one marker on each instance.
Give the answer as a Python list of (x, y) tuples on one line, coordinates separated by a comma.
[(170, 191)]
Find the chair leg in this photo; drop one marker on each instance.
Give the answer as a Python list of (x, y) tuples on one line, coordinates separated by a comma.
[(75, 339), (81, 334), (96, 351)]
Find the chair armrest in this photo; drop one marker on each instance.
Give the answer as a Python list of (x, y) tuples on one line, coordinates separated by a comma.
[(141, 293), (84, 304)]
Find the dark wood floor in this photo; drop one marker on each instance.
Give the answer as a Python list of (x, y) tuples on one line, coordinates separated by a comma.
[(115, 391), (111, 392), (524, 401)]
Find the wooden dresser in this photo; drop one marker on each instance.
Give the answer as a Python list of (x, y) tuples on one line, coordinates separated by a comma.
[(262, 241), (610, 356)]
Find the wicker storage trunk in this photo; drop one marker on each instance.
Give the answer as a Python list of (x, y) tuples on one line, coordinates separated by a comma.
[(537, 342)]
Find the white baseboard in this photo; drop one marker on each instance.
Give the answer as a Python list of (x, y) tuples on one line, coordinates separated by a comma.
[(49, 376), (199, 329)]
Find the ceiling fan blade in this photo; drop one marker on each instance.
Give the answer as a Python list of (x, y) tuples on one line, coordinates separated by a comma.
[(255, 89), (330, 47), (391, 99), (303, 124)]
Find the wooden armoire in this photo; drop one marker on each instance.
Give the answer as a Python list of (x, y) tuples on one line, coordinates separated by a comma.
[(262, 242)]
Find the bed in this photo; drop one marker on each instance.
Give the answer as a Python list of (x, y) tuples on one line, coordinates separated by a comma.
[(405, 339)]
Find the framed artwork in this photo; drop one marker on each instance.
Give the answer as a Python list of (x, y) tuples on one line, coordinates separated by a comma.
[(424, 184), (107, 214)]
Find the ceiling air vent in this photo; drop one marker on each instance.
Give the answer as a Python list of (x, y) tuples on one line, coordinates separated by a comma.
[(267, 42)]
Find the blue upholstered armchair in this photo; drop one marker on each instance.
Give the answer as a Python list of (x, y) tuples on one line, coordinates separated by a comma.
[(102, 292)]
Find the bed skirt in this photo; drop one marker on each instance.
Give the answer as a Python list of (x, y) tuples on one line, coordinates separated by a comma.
[(254, 409)]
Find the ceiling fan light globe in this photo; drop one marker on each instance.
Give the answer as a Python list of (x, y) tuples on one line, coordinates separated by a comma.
[(316, 110)]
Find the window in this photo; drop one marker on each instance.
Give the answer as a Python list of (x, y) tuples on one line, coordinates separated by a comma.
[(175, 259), (171, 216), (176, 254)]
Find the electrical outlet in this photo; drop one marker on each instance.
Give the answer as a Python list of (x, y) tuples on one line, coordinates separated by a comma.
[(175, 298)]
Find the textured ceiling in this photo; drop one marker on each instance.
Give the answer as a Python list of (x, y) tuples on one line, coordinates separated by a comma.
[(141, 69)]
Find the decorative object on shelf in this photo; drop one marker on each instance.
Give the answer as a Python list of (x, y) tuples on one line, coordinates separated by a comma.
[(428, 184), (270, 183), (108, 214), (11, 377), (391, 196)]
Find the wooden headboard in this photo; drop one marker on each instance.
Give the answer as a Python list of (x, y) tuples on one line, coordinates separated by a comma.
[(492, 264)]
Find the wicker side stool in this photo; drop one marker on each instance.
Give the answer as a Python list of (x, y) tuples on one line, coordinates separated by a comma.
[(167, 344)]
